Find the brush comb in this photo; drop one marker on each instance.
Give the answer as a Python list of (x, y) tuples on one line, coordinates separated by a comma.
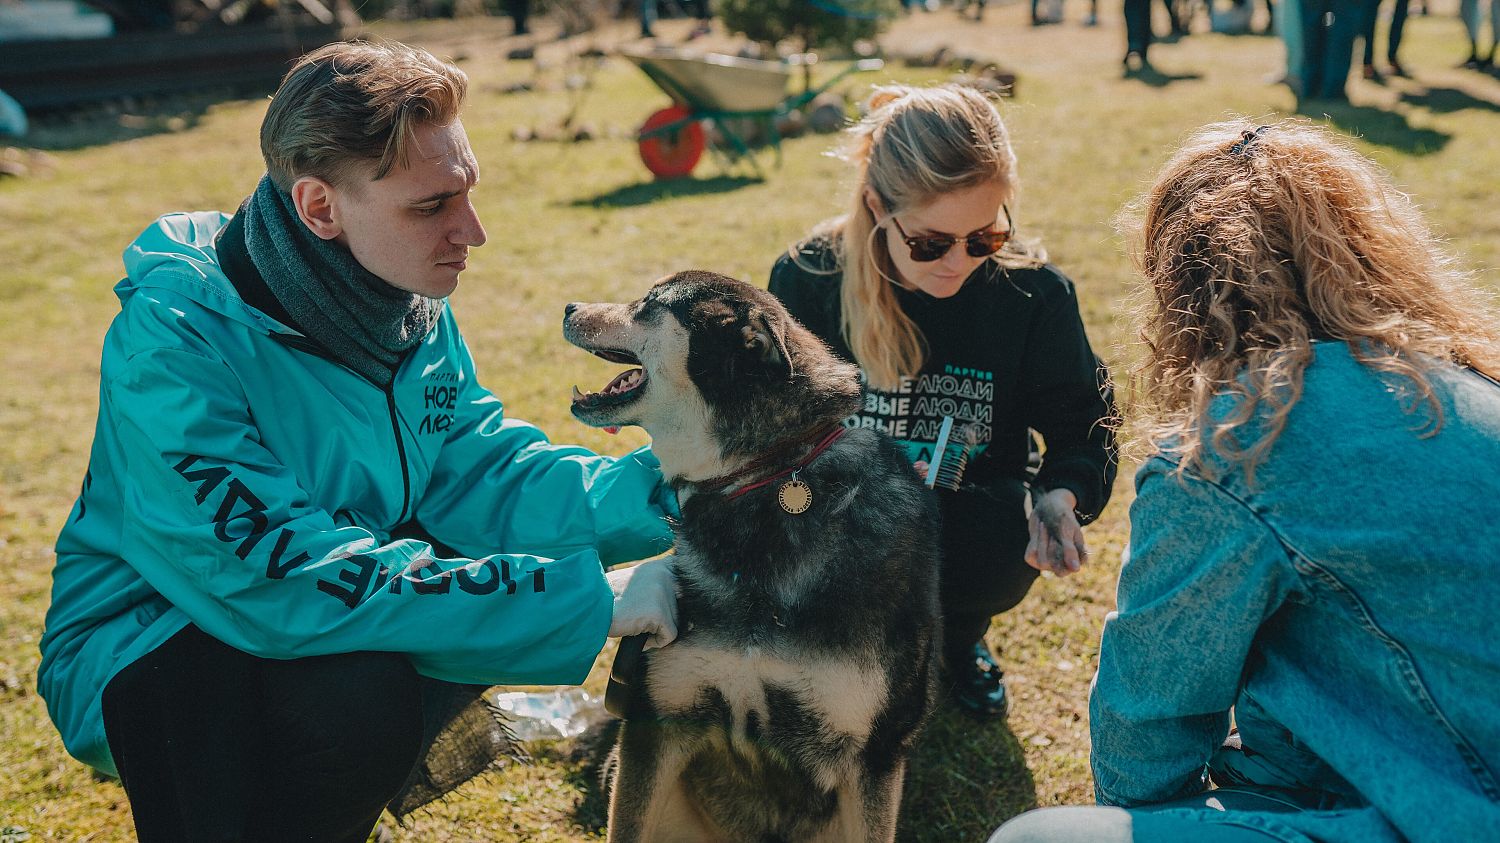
[(950, 456)]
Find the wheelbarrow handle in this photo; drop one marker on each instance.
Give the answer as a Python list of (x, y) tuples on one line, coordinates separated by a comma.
[(863, 65)]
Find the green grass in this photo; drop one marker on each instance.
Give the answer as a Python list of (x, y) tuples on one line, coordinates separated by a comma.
[(582, 222)]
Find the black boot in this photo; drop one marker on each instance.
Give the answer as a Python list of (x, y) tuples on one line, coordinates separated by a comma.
[(977, 683)]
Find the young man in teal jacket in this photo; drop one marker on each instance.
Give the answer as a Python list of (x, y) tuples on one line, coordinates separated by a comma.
[(301, 508)]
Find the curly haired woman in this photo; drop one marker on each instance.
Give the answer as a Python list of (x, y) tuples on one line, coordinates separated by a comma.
[(1314, 555)]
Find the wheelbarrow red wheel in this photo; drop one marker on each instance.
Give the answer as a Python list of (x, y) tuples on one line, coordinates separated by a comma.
[(672, 154)]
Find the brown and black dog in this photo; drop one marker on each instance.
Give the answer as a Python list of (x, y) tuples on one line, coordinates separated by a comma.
[(808, 565)]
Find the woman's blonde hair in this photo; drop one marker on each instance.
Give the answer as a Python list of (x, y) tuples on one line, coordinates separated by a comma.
[(1253, 243), (348, 110), (914, 146)]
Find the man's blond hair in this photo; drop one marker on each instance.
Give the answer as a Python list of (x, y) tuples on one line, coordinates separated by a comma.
[(347, 111)]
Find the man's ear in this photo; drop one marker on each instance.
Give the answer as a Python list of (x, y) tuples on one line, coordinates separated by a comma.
[(316, 202)]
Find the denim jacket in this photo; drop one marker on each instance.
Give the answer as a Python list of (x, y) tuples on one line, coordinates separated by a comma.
[(1343, 604)]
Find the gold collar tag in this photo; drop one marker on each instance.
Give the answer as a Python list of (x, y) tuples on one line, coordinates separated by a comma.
[(795, 496)]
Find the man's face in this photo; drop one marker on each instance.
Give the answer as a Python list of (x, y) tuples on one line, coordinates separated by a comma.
[(414, 227)]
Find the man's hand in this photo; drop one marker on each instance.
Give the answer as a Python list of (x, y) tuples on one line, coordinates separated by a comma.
[(1056, 539), (645, 602)]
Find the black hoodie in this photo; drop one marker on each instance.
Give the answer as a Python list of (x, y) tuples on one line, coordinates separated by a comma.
[(1007, 355)]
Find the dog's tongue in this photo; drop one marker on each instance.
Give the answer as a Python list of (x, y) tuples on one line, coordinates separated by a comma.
[(611, 429)]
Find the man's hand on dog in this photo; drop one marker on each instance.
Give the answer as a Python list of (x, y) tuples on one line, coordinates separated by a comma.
[(1056, 538), (645, 602)]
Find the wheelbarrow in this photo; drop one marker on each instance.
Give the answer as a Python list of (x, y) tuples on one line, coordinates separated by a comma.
[(723, 93)]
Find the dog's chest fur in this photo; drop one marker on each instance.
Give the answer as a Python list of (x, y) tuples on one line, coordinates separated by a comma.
[(788, 617), (760, 698)]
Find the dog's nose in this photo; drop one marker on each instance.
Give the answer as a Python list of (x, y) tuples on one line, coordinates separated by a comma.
[(568, 311)]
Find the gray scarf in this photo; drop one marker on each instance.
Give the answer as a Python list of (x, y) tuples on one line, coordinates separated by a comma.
[(366, 323)]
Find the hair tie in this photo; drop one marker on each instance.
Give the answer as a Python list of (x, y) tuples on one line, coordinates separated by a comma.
[(1247, 137)]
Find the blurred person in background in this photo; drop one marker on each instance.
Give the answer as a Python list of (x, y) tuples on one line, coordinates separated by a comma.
[(1473, 18), (1393, 41), (1139, 34), (1328, 31)]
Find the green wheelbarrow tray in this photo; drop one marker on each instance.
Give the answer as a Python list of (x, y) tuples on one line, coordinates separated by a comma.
[(717, 90)]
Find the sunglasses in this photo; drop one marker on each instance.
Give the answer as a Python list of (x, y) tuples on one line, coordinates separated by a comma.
[(980, 244)]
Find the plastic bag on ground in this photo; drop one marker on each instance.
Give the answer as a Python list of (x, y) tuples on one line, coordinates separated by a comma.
[(561, 713)]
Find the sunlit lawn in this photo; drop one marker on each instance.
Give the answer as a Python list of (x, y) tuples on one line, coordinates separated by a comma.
[(583, 222)]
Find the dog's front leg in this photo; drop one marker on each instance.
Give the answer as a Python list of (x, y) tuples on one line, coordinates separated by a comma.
[(882, 803), (867, 808), (632, 781), (646, 799)]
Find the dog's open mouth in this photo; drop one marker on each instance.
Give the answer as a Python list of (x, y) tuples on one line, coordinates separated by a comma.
[(626, 387)]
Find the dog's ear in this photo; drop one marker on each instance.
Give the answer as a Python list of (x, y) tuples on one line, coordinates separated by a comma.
[(765, 339)]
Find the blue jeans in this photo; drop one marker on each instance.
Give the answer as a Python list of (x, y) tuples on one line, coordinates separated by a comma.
[(1329, 28), (1468, 12)]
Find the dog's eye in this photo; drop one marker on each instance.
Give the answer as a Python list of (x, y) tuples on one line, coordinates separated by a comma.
[(643, 308)]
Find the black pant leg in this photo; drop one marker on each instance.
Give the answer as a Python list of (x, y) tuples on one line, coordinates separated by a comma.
[(984, 565), (519, 11), (1178, 25), (1367, 30), (1137, 26), (1398, 24), (181, 728), (343, 734), (215, 744)]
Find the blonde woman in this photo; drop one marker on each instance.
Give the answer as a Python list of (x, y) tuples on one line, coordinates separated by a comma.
[(924, 285), (1314, 549)]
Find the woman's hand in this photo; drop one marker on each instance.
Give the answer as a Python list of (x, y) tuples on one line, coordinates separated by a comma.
[(645, 602), (1056, 538)]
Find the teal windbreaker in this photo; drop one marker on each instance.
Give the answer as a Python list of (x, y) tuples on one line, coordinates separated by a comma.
[(242, 482)]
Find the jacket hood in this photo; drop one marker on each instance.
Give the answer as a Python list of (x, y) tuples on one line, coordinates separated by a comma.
[(178, 253)]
